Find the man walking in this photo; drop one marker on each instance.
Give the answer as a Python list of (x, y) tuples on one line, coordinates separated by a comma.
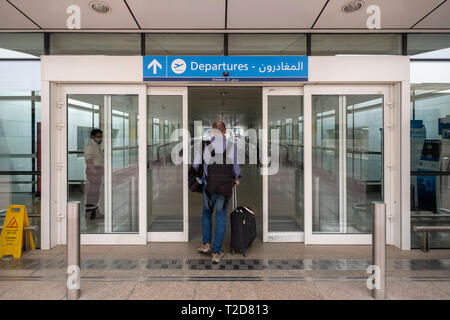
[(93, 156), (221, 172)]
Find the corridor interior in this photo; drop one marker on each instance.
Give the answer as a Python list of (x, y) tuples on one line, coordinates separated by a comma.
[(240, 108)]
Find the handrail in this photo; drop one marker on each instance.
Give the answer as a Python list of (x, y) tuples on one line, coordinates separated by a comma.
[(425, 238), (113, 149), (430, 173), (20, 173), (431, 228)]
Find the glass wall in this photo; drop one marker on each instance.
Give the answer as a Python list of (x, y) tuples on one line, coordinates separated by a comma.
[(429, 46), (347, 162), (20, 157), (266, 44), (184, 44), (103, 161), (430, 154), (370, 44), (285, 186), (21, 45), (125, 44), (164, 177)]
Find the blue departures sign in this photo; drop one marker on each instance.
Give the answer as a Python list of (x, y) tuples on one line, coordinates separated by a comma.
[(225, 68)]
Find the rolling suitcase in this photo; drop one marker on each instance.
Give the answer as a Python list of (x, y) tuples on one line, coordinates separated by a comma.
[(243, 226)]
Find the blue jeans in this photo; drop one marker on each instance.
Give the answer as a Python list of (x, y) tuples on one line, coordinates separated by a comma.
[(221, 204)]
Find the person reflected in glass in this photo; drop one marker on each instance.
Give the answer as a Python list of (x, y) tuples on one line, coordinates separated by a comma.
[(93, 155)]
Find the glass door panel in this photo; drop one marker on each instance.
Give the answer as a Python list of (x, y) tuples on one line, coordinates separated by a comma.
[(165, 177), (282, 164), (103, 161), (285, 187), (124, 169), (347, 162)]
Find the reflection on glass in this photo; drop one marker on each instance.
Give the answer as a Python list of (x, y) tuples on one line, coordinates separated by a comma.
[(124, 149), (285, 188), (103, 161), (325, 163), (364, 164), (430, 151), (20, 140), (164, 178), (21, 45), (347, 162)]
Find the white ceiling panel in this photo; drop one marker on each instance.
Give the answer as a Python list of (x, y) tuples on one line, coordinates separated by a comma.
[(440, 18), (11, 18), (394, 14), (280, 14), (51, 14), (179, 14)]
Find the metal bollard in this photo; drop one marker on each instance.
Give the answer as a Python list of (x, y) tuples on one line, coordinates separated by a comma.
[(73, 271), (379, 248)]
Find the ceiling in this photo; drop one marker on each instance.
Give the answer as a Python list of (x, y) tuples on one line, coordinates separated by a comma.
[(217, 15), (236, 106)]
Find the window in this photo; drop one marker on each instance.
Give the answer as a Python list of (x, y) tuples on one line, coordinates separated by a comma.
[(363, 44), (21, 45), (430, 151), (267, 44), (95, 44), (429, 46), (20, 139), (184, 44)]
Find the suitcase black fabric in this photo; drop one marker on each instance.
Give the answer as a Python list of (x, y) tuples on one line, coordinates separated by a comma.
[(243, 227)]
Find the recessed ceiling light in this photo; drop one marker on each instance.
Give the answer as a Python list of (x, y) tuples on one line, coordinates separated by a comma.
[(352, 6), (100, 7)]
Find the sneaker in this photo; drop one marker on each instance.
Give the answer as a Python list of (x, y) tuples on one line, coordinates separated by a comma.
[(217, 256), (204, 248)]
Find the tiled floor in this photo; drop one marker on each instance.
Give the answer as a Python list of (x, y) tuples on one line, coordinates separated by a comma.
[(270, 271)]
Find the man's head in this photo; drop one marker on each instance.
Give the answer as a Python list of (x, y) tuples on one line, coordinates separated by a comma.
[(97, 135), (220, 128)]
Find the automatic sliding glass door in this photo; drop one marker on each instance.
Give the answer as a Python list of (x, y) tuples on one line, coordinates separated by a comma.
[(346, 168), (104, 160), (283, 170), (167, 198)]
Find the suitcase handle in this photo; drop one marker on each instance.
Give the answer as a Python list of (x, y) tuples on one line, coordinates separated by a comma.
[(234, 198)]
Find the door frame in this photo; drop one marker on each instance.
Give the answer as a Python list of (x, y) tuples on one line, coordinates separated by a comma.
[(388, 118), (59, 157), (184, 235)]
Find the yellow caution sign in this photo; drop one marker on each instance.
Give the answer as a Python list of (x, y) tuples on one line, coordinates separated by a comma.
[(12, 237)]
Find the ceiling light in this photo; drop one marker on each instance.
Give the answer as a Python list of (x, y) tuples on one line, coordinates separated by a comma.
[(352, 6), (100, 7)]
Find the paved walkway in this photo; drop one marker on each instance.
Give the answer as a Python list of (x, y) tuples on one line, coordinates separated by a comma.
[(270, 271)]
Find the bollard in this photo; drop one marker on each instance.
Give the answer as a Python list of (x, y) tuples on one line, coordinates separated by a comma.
[(379, 249), (73, 271)]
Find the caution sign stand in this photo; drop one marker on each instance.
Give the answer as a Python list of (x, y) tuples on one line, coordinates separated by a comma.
[(12, 238)]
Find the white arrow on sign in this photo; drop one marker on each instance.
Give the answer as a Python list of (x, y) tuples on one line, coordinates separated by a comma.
[(155, 64)]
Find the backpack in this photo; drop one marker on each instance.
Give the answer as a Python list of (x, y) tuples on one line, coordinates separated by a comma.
[(195, 182)]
